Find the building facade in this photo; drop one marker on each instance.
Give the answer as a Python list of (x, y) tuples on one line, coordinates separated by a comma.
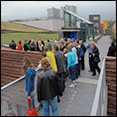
[(76, 27), (71, 8), (96, 19), (53, 13), (49, 24)]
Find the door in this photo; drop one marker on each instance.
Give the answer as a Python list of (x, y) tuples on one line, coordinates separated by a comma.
[(73, 36)]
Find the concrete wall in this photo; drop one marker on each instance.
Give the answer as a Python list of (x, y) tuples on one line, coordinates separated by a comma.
[(48, 24)]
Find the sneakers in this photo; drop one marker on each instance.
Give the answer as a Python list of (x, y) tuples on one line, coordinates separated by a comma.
[(72, 85)]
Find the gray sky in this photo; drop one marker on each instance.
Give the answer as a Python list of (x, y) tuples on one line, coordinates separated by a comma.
[(11, 10)]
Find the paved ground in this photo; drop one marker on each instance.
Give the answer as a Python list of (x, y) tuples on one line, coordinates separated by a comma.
[(78, 101)]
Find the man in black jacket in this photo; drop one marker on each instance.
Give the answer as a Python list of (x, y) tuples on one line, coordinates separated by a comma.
[(12, 45), (48, 88), (26, 45)]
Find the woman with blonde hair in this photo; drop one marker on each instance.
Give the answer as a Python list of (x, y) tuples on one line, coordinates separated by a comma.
[(30, 80), (96, 59)]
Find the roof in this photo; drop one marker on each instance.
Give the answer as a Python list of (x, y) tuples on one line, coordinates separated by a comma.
[(78, 17)]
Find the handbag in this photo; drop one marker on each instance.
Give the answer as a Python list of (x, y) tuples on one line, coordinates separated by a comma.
[(32, 112)]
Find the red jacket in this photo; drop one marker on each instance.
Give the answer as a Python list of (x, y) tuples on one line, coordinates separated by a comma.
[(19, 47)]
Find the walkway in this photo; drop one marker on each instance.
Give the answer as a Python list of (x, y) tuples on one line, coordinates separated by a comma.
[(78, 101)]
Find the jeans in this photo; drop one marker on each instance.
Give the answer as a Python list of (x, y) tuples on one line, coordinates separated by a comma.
[(72, 72), (77, 72), (62, 82), (78, 67), (54, 107), (33, 102), (82, 63)]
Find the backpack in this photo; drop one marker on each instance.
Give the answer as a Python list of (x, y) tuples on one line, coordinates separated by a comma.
[(80, 52)]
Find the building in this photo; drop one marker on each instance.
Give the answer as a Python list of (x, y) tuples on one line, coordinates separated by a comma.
[(53, 13), (76, 27), (96, 19), (71, 8), (109, 27), (48, 24)]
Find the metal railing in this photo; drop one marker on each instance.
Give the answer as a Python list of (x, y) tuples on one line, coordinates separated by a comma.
[(99, 107)]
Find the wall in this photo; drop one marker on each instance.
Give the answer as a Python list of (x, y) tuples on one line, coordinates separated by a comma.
[(111, 83), (12, 64)]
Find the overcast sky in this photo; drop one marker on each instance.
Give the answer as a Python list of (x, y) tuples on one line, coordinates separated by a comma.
[(11, 10)]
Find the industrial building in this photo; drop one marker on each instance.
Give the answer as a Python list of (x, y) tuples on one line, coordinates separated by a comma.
[(96, 19), (76, 27), (53, 13)]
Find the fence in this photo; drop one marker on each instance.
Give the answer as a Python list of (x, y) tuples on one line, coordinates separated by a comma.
[(99, 107)]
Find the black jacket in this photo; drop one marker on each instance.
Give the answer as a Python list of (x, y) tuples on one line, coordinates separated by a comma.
[(26, 47), (38, 46), (84, 48), (112, 51), (48, 85), (96, 57), (12, 45), (33, 47)]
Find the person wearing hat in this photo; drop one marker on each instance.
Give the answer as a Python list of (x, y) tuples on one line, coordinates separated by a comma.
[(26, 45), (12, 45)]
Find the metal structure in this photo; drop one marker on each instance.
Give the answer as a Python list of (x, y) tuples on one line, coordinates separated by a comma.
[(108, 27), (99, 107)]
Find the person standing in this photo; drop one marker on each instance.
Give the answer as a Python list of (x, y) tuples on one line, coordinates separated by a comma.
[(60, 61), (77, 46), (40, 47), (19, 47), (39, 39), (82, 57), (48, 88), (96, 59), (71, 65), (50, 55), (30, 80), (48, 44), (75, 51), (26, 45), (112, 50), (12, 45), (32, 46), (90, 50)]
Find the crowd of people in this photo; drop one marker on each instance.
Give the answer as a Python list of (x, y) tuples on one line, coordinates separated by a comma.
[(65, 59)]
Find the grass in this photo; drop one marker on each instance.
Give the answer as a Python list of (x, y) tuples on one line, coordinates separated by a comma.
[(7, 37), (19, 27)]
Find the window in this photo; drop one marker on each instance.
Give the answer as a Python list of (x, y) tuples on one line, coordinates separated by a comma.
[(95, 18)]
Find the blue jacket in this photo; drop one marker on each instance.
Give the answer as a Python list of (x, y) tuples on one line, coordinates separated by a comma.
[(75, 51), (89, 46), (71, 59), (30, 81)]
